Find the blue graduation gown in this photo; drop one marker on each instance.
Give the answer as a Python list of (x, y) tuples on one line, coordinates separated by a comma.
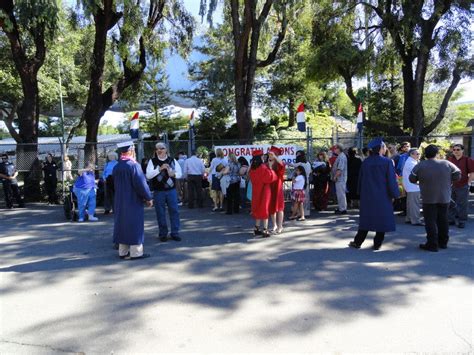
[(131, 190), (377, 187)]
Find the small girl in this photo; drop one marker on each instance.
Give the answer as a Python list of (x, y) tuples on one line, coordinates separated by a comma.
[(298, 194)]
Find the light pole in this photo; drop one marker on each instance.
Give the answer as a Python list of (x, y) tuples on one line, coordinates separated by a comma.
[(62, 140)]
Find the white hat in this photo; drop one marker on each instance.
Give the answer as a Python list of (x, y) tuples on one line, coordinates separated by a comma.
[(125, 144)]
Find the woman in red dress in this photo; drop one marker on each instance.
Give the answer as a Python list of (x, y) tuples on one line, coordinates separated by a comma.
[(261, 176), (277, 202)]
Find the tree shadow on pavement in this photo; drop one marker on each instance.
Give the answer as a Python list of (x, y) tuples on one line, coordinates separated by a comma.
[(220, 266)]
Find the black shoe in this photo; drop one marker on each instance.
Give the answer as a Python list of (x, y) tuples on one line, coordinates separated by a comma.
[(144, 256), (428, 248), (257, 231), (126, 256), (461, 225), (176, 238), (376, 247), (106, 212), (452, 223), (163, 238), (354, 245), (341, 212), (443, 246), (266, 233)]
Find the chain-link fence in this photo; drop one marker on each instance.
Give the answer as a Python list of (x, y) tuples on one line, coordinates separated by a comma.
[(28, 158)]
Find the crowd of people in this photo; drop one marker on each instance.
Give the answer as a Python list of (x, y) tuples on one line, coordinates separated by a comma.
[(381, 179)]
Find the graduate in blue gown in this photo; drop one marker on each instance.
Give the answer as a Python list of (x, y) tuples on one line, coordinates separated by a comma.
[(377, 188), (131, 193)]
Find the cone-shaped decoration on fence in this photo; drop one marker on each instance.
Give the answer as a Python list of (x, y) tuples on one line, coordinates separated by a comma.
[(300, 118), (134, 126)]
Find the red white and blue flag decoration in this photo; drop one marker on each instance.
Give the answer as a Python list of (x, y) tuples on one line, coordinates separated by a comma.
[(360, 117), (300, 118), (191, 119), (134, 126)]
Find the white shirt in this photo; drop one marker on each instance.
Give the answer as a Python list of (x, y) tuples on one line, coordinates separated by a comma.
[(215, 162), (299, 183), (407, 168), (193, 166), (151, 172)]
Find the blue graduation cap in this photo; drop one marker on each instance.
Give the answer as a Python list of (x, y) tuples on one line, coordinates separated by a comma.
[(375, 142)]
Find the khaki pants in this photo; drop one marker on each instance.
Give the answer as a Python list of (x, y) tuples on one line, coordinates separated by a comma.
[(413, 207), (341, 195)]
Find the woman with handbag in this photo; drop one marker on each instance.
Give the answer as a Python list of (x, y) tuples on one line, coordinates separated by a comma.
[(217, 165)]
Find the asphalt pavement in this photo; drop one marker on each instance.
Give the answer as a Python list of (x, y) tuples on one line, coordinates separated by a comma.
[(63, 288)]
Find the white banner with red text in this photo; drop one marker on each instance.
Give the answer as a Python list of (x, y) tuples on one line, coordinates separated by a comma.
[(288, 156)]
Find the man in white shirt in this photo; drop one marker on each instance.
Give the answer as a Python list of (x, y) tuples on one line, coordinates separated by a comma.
[(193, 172), (413, 190), (162, 171)]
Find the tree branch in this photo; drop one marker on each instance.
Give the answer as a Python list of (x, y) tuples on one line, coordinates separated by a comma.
[(8, 119), (377, 10), (281, 36), (155, 13), (444, 105)]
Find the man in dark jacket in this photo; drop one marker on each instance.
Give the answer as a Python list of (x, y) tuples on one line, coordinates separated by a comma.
[(8, 174), (435, 177)]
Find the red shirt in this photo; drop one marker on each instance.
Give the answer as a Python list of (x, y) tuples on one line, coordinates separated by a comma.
[(466, 165)]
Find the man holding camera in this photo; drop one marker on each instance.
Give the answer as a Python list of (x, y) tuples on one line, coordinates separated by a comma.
[(162, 171)]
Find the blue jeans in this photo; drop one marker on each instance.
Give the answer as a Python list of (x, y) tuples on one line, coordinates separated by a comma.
[(161, 199), (85, 198)]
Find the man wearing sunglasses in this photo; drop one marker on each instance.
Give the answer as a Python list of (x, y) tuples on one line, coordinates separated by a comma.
[(460, 190), (8, 176), (162, 171)]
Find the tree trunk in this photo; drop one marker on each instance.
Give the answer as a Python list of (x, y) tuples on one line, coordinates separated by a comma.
[(291, 112), (350, 91), (93, 109), (408, 95), (27, 147), (243, 116), (246, 35)]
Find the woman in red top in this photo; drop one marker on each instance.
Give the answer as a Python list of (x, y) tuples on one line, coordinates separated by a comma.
[(277, 202), (261, 177)]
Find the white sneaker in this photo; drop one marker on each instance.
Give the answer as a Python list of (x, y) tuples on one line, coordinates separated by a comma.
[(93, 219), (80, 220)]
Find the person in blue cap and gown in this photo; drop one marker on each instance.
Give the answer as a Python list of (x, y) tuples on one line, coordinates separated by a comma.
[(131, 192), (377, 188)]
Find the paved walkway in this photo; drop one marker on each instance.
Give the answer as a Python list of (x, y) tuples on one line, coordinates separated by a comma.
[(63, 288)]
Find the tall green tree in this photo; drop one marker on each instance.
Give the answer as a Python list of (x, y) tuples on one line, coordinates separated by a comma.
[(133, 30), (336, 53), (213, 82), (427, 34), (28, 26), (251, 33)]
